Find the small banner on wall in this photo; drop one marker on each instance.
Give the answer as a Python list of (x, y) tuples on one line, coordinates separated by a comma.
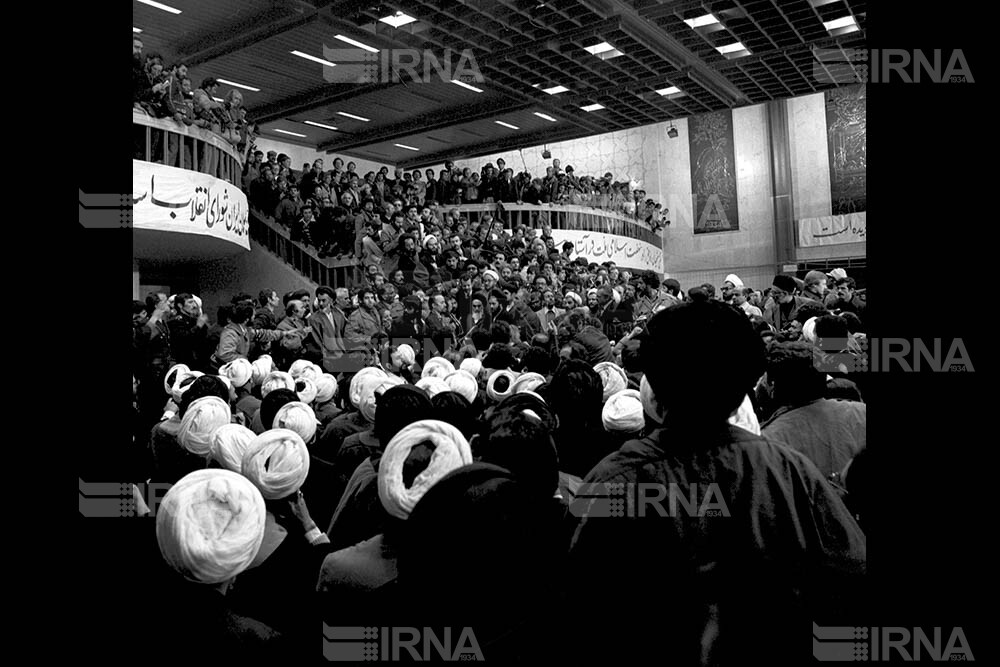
[(713, 172), (177, 200), (624, 252), (833, 230)]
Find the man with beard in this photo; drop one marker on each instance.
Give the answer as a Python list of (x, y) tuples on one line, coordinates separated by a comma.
[(188, 330), (364, 322), (850, 299), (440, 326), (410, 328), (549, 312), (784, 305), (429, 255), (408, 260)]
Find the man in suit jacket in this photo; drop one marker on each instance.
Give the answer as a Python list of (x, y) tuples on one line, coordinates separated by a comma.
[(548, 313), (328, 324), (440, 326)]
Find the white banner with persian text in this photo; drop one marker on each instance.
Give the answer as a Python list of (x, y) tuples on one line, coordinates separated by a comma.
[(177, 200), (833, 230), (623, 251)]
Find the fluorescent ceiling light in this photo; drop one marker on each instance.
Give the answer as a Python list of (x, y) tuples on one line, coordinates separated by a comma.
[(134, 29), (325, 127), (555, 90), (465, 85), (409, 148), (840, 23), (593, 107), (545, 116), (397, 19), (294, 134), (218, 99), (513, 127), (672, 90), (356, 43), (313, 58), (159, 5), (707, 19), (731, 48), (599, 48), (239, 85), (350, 115)]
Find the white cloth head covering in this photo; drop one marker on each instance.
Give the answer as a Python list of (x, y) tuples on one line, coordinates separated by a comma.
[(745, 417), (277, 462), (365, 376), (296, 416), (312, 371), (229, 444), (210, 525), (809, 330), (306, 389), (576, 298), (170, 380), (369, 397), (650, 405), (262, 367), (838, 274), (473, 365), (405, 355), (451, 451), (437, 367), (491, 272), (326, 388), (623, 412), (200, 420), (238, 371), (527, 382), (613, 378), (734, 279), (299, 365), (178, 391), (464, 383), (496, 394), (432, 385), (427, 239), (276, 380)]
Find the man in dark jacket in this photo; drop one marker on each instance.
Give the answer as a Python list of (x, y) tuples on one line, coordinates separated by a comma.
[(753, 539), (411, 327), (188, 331), (784, 305)]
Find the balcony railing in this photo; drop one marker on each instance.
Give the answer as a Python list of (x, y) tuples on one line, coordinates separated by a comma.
[(569, 217), (173, 144), (332, 272)]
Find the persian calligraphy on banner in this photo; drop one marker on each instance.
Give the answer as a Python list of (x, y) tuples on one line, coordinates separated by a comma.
[(177, 200), (713, 172), (833, 230), (623, 251)]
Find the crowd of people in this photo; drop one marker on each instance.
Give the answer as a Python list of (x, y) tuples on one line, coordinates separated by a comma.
[(401, 455)]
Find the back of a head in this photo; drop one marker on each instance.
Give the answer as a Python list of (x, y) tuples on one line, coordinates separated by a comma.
[(273, 402), (631, 359), (500, 357), (481, 339), (576, 393), (399, 407), (810, 309), (453, 408), (791, 368), (538, 360), (682, 357), (519, 440), (206, 385)]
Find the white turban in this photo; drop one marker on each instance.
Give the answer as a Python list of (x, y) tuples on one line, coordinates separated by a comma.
[(437, 367), (306, 389), (262, 367), (312, 371), (365, 376), (491, 272), (238, 371), (406, 355), (613, 378), (178, 391), (229, 444), (210, 525), (200, 420), (295, 370), (623, 412), (277, 462), (745, 417), (464, 383), (497, 394), (374, 389), (527, 382), (473, 365), (734, 279), (276, 380), (650, 405), (298, 417), (226, 381), (427, 239), (170, 381), (451, 451), (809, 330), (432, 385), (576, 298), (326, 388)]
